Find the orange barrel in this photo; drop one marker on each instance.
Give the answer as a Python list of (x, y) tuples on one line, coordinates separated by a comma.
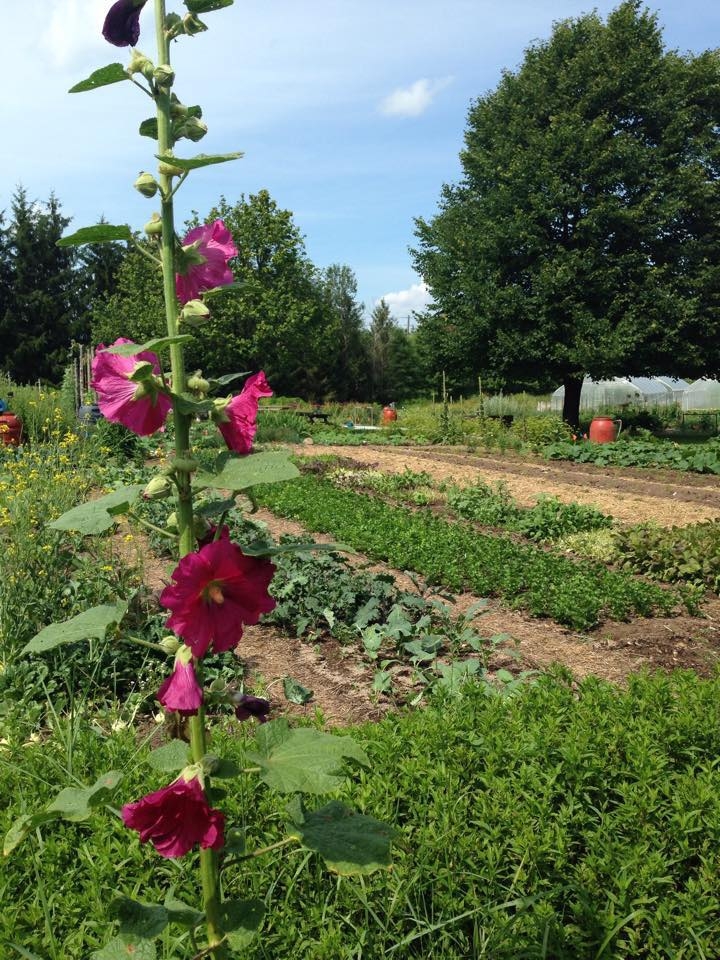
[(388, 415), (11, 428), (604, 429)]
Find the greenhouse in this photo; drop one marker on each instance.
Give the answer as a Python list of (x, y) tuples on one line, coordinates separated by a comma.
[(703, 394), (621, 392)]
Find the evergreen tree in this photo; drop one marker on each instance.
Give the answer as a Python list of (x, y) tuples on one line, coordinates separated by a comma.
[(350, 372), (42, 313)]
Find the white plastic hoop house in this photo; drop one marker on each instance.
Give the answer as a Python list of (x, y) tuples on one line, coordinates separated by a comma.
[(703, 394), (622, 392)]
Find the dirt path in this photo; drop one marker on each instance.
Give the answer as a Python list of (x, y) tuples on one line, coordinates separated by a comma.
[(631, 496)]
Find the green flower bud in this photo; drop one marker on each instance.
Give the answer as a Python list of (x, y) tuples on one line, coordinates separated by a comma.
[(192, 129), (197, 383), (147, 185), (186, 464), (139, 63), (217, 414), (164, 75), (142, 372), (193, 25), (193, 313), (177, 109), (153, 228), (173, 26), (158, 488), (169, 170), (171, 524), (170, 644)]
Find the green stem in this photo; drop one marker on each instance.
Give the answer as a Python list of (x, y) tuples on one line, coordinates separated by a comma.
[(144, 643), (261, 851), (209, 874), (150, 526)]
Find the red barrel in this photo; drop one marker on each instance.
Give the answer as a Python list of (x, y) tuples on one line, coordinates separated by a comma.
[(388, 415), (604, 429), (11, 428)]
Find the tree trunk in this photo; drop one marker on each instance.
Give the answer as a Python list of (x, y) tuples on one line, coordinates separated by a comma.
[(571, 403)]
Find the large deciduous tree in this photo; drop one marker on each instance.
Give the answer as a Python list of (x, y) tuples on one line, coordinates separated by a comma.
[(584, 236)]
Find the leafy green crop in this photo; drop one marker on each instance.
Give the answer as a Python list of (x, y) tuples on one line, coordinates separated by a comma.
[(690, 554), (699, 458), (578, 594)]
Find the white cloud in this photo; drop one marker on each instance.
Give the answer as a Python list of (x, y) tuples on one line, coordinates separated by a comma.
[(413, 100), (403, 302), (73, 27)]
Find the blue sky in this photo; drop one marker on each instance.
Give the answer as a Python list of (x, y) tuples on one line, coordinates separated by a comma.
[(350, 112)]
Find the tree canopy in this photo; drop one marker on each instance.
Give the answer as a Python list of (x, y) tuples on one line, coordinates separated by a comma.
[(583, 237)]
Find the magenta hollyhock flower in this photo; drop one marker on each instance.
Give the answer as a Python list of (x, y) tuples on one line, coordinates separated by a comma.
[(213, 247), (122, 23), (181, 691), (216, 591), (176, 818), (140, 406), (248, 706), (237, 421)]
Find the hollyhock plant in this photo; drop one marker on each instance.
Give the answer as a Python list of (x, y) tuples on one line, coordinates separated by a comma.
[(206, 252), (122, 23), (181, 691), (177, 817), (216, 592), (247, 706), (237, 420), (140, 405)]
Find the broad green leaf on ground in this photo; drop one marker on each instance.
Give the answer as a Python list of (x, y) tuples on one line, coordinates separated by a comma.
[(141, 920), (112, 73), (240, 921), (349, 842), (77, 803), (126, 948), (265, 550), (180, 912), (453, 675), (91, 624), (92, 517), (100, 233), (170, 757), (201, 160), (295, 692), (302, 760), (237, 473), (155, 345), (25, 825)]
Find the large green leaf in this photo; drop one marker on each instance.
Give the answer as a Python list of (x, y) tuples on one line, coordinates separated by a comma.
[(149, 128), (100, 233), (349, 842), (201, 160), (302, 760), (126, 948), (170, 757), (77, 803), (238, 473), (25, 825), (112, 73), (91, 624), (240, 920), (206, 6), (141, 920), (153, 346), (180, 912), (92, 517)]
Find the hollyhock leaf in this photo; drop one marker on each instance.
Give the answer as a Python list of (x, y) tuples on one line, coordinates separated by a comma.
[(179, 912), (170, 757), (350, 843), (295, 692), (238, 472), (141, 920), (207, 6), (112, 73), (91, 624), (216, 383), (201, 160), (126, 948), (221, 768), (149, 128), (154, 346), (187, 405), (303, 760), (214, 508), (25, 825), (240, 920), (100, 233), (77, 803), (92, 517)]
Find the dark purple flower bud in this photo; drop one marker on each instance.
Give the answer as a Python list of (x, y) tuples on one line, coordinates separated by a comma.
[(122, 24), (247, 706)]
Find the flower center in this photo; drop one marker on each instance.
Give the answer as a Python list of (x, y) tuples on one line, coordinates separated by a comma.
[(214, 593)]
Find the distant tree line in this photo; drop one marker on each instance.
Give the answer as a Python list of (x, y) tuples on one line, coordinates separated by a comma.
[(303, 325)]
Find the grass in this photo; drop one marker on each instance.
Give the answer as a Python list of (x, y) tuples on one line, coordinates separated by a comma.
[(571, 822)]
